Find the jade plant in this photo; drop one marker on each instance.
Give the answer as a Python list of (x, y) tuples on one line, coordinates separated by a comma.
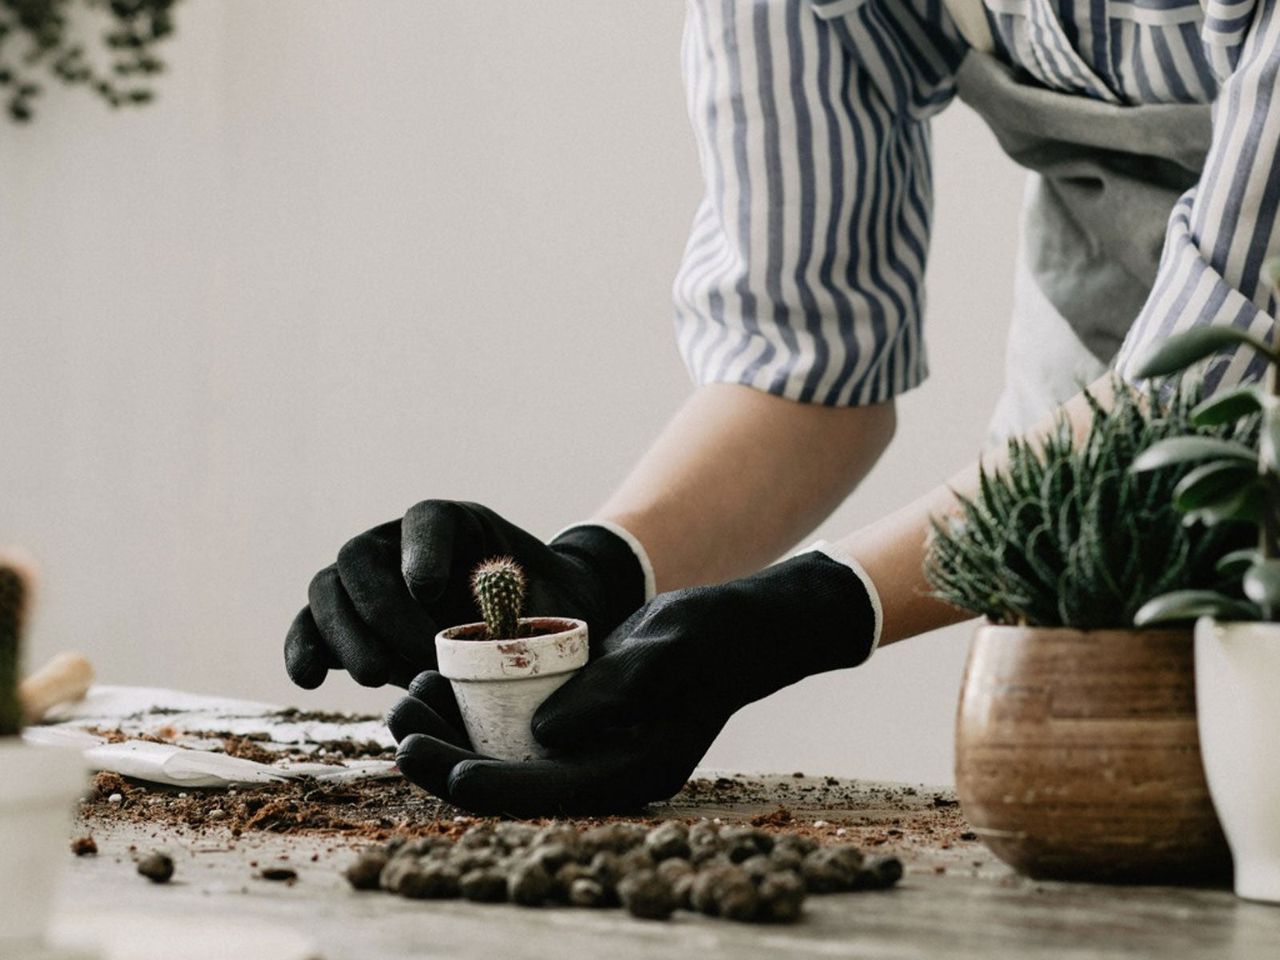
[(499, 588), (15, 592), (1066, 535), (1233, 483)]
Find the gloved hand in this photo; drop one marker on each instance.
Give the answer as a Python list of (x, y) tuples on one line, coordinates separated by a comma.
[(631, 726), (375, 612)]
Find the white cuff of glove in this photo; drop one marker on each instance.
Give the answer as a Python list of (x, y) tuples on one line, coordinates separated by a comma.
[(627, 537), (825, 548)]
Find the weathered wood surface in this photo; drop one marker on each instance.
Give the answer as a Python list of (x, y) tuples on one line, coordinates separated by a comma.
[(955, 901)]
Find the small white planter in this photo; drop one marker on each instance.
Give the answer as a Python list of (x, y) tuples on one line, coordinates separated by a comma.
[(1238, 712), (38, 791), (500, 683)]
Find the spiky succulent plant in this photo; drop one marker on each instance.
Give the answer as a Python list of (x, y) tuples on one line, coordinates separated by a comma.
[(15, 595), (498, 585), (1067, 535)]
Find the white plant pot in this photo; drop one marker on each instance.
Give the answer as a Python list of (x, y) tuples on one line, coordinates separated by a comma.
[(39, 787), (500, 683), (1238, 712)]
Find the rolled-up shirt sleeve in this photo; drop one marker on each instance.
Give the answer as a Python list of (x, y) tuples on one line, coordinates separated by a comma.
[(1222, 230), (803, 274)]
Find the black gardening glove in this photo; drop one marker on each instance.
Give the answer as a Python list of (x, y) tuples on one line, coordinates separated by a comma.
[(631, 726), (375, 612)]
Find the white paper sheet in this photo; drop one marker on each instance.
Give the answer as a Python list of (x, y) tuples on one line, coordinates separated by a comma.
[(185, 760)]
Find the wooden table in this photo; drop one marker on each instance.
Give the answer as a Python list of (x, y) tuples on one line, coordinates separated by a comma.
[(955, 900)]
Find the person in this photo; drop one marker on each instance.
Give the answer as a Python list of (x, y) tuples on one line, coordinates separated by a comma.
[(1152, 131)]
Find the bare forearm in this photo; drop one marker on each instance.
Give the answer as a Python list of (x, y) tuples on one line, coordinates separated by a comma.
[(739, 476), (892, 550)]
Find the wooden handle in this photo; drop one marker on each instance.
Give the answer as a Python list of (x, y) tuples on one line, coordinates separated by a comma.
[(63, 679)]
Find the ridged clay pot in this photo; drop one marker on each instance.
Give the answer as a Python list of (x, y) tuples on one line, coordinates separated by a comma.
[(500, 683), (1078, 758), (1238, 695)]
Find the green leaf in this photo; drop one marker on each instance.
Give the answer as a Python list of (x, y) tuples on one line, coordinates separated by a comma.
[(1230, 405), (1189, 604), (1271, 271), (1236, 562), (1244, 505), (1211, 482), (1183, 349), (1184, 449), (1262, 585), (1269, 440)]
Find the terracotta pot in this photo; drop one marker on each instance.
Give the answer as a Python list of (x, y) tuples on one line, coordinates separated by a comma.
[(1077, 755), (1237, 679), (499, 684)]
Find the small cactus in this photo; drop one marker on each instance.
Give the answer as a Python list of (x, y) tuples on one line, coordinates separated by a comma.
[(498, 585), (15, 595)]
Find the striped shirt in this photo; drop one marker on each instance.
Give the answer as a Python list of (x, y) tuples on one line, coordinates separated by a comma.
[(803, 274)]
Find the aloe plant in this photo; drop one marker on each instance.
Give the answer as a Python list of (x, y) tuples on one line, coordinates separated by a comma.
[(1066, 535), (1232, 483), (499, 588)]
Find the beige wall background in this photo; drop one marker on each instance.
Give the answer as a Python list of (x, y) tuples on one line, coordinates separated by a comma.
[(357, 255)]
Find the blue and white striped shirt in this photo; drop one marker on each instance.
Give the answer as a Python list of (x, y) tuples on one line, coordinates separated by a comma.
[(803, 274)]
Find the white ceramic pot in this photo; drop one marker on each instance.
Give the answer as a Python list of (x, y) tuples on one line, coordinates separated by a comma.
[(500, 683), (38, 791), (1238, 711)]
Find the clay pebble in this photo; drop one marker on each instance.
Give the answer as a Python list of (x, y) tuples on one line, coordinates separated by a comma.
[(585, 892), (646, 895), (614, 837), (880, 874), (742, 843), (668, 840), (484, 885), (156, 867), (724, 891), (364, 871), (569, 874), (831, 869), (781, 897), (529, 884), (430, 880)]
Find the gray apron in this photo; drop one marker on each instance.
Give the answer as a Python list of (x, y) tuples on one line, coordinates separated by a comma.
[(1105, 180)]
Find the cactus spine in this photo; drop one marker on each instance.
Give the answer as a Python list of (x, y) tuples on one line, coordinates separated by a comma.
[(15, 594), (498, 585)]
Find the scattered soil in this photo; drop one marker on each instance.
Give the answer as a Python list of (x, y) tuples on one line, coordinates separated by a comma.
[(250, 746), (778, 818), (105, 784), (897, 818), (84, 846), (528, 628), (164, 734), (246, 749), (295, 715)]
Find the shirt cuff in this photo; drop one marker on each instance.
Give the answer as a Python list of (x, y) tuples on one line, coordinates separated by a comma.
[(627, 537), (827, 549), (1190, 293)]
